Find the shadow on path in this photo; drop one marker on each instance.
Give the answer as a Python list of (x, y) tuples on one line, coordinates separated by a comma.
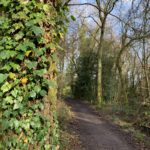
[(96, 133)]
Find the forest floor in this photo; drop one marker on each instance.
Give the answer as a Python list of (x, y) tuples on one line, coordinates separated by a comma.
[(95, 132)]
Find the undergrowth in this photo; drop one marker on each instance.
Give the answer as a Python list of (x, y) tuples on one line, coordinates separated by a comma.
[(64, 117), (125, 117)]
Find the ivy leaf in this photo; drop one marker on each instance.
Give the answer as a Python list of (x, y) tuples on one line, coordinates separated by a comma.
[(73, 18), (37, 30), (5, 124), (4, 2), (6, 67), (54, 57), (6, 54), (21, 47), (16, 124), (20, 56), (43, 93), (40, 72), (41, 106), (6, 87), (26, 126), (20, 98), (11, 65), (16, 106), (19, 36), (40, 51), (18, 25), (61, 35), (32, 94), (52, 45), (22, 15), (36, 122), (3, 77), (37, 89), (25, 45), (14, 66), (29, 44), (7, 113), (44, 59), (12, 75), (47, 147), (1, 94), (9, 100), (14, 93), (1, 47), (31, 64), (46, 7), (51, 83), (28, 53), (30, 23)]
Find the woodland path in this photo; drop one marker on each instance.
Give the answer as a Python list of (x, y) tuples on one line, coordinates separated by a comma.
[(95, 132)]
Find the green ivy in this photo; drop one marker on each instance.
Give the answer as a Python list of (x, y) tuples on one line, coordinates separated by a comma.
[(25, 59)]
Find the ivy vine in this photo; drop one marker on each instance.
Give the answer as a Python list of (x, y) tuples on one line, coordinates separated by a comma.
[(29, 36)]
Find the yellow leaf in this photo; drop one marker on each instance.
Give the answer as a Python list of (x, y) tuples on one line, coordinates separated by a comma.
[(26, 140), (12, 75), (28, 53), (24, 80), (53, 50), (61, 35)]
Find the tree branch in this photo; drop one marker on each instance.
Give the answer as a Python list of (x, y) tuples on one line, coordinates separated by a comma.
[(94, 20), (80, 4), (99, 9)]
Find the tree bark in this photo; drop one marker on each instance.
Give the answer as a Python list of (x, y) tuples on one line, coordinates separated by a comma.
[(123, 93), (99, 65)]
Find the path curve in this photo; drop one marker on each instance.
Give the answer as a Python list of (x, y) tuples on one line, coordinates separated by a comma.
[(96, 133)]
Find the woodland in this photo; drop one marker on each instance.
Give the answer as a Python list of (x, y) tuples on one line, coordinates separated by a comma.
[(95, 51)]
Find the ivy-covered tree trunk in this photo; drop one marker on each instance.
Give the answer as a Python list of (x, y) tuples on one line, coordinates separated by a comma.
[(29, 36), (122, 91), (99, 82), (99, 66)]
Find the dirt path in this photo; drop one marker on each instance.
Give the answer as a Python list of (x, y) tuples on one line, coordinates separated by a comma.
[(95, 133)]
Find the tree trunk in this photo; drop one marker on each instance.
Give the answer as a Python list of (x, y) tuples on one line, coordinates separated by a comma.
[(123, 93), (99, 65), (99, 82)]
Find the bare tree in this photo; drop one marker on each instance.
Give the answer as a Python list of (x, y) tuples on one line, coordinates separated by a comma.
[(104, 9), (133, 30)]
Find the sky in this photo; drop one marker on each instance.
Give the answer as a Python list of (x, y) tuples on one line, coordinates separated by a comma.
[(88, 10)]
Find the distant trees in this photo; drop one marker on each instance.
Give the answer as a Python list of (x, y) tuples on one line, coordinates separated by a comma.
[(134, 71), (132, 34), (120, 70), (104, 8), (86, 77)]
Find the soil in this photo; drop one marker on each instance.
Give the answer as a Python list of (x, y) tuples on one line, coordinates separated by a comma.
[(96, 133)]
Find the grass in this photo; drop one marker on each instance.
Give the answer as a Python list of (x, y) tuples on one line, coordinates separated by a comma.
[(67, 137), (125, 117), (64, 113)]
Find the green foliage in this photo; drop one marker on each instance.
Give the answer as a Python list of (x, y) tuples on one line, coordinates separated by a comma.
[(64, 118), (143, 120), (25, 59), (109, 81), (86, 77), (87, 72), (64, 113)]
